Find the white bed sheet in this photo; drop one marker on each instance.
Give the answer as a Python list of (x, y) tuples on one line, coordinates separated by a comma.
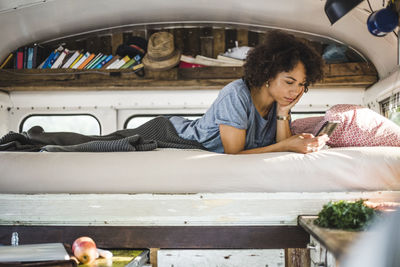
[(195, 171)]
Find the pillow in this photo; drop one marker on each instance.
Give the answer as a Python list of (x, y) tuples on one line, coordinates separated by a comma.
[(305, 125), (361, 126)]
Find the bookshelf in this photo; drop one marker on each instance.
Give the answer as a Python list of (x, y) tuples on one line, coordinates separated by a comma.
[(194, 40), (336, 75)]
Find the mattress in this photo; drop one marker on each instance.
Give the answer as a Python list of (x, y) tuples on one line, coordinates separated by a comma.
[(195, 171)]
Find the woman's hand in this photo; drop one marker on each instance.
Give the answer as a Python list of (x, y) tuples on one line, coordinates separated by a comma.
[(304, 143), (284, 110)]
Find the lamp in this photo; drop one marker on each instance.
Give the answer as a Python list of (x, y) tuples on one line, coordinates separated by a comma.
[(383, 21), (335, 9)]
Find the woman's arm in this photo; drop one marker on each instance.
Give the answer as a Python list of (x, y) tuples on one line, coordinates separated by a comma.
[(282, 130), (234, 139), (282, 126)]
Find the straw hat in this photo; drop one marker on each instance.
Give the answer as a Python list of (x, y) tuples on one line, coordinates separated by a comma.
[(161, 52)]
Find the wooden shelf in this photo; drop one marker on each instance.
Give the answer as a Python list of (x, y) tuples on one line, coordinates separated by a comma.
[(335, 75)]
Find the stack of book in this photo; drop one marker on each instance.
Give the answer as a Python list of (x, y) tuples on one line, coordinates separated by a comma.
[(63, 58), (220, 61), (24, 58)]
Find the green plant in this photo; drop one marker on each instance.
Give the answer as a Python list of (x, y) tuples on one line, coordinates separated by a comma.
[(345, 215)]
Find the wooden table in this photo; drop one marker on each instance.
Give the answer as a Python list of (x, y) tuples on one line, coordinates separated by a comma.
[(335, 241)]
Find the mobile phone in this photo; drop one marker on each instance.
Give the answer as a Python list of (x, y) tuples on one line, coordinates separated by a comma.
[(328, 128)]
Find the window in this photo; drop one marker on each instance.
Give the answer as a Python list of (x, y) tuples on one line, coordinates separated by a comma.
[(77, 123), (137, 120), (390, 108), (300, 115)]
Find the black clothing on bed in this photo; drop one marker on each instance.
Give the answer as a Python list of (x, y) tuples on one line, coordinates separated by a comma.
[(156, 133)]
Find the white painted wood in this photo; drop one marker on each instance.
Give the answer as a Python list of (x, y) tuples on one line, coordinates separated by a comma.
[(105, 116), (5, 104), (330, 260), (221, 258), (317, 252), (112, 108), (228, 209), (320, 256), (382, 90)]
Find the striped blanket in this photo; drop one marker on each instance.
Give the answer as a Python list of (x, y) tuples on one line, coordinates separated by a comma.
[(156, 133)]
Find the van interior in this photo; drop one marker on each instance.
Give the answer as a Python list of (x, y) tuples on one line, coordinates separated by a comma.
[(179, 203)]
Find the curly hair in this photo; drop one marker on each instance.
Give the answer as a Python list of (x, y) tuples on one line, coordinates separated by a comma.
[(281, 52)]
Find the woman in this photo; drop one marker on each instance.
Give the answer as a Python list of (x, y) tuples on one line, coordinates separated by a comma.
[(252, 114)]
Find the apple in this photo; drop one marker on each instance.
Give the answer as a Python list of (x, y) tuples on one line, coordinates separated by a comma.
[(85, 250)]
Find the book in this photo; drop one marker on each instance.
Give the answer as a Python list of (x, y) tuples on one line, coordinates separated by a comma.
[(6, 61), (230, 59), (115, 58), (89, 58), (29, 64), (94, 61), (35, 57), (186, 65), (60, 59), (217, 62), (99, 60), (38, 55), (121, 62), (67, 57), (52, 60), (20, 59), (112, 66), (131, 62), (42, 64), (81, 60), (33, 252), (76, 60), (47, 60), (103, 62), (138, 66), (71, 59), (207, 61), (25, 61)]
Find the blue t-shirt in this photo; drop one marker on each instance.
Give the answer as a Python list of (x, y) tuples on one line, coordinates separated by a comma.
[(233, 107)]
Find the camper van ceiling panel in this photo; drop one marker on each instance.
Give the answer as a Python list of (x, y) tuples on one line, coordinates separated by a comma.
[(11, 5), (55, 19)]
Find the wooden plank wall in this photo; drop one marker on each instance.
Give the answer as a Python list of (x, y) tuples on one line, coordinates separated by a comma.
[(192, 41)]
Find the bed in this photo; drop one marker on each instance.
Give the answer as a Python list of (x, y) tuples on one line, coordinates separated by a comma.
[(185, 198)]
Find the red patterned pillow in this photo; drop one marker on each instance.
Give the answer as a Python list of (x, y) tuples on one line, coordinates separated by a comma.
[(305, 125), (361, 126)]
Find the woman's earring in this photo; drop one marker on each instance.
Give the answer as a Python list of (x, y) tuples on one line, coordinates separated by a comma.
[(267, 84)]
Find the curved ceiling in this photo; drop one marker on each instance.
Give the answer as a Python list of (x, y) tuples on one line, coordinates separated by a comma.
[(28, 21)]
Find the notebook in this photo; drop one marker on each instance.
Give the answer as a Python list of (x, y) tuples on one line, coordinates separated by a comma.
[(33, 252)]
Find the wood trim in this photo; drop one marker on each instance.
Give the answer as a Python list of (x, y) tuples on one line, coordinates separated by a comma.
[(335, 75), (215, 237)]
